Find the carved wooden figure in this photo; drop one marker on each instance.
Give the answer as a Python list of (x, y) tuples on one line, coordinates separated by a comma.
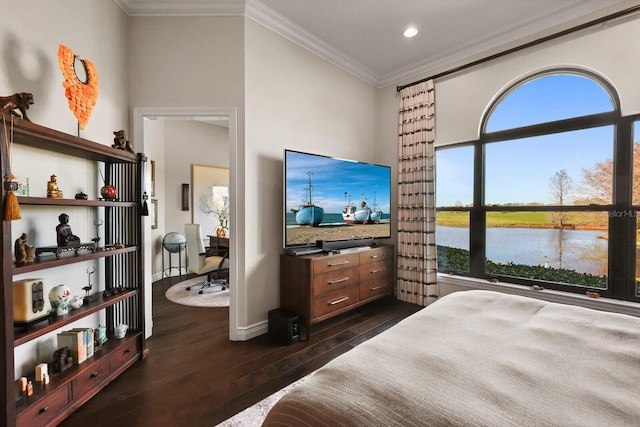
[(17, 101)]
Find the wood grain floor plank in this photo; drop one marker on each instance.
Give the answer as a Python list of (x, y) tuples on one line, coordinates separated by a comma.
[(194, 376)]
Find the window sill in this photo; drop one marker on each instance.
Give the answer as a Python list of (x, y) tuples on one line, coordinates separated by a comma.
[(448, 283)]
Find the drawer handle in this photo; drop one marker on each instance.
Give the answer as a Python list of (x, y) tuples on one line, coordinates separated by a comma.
[(375, 256), (94, 374), (375, 288), (333, 264), (127, 351), (338, 301), (342, 279), (43, 410), (377, 271)]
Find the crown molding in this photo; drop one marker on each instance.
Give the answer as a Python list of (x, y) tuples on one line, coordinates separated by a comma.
[(182, 8), (258, 12), (500, 39), (517, 34)]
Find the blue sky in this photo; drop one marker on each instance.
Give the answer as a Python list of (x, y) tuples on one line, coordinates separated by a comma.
[(519, 172), (332, 178)]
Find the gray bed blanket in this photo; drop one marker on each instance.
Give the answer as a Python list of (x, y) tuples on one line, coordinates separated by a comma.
[(480, 358)]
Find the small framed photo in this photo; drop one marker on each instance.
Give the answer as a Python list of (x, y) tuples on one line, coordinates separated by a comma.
[(154, 214), (153, 178), (185, 197), (23, 186)]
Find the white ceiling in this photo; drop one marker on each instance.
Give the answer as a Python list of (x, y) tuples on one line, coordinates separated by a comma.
[(364, 37)]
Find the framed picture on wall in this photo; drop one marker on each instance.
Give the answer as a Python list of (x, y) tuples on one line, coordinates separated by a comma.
[(154, 214), (205, 209), (153, 178)]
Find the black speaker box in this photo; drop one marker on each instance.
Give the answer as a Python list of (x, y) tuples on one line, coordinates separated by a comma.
[(284, 326)]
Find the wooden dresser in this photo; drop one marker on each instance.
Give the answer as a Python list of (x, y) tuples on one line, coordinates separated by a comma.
[(320, 286)]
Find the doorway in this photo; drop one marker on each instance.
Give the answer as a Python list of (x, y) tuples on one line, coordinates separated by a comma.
[(141, 117)]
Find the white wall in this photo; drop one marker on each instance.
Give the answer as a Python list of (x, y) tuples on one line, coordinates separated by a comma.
[(298, 101), (195, 63), (30, 33), (462, 98)]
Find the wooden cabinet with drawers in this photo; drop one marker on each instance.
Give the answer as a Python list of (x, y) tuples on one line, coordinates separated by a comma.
[(320, 286), (70, 389)]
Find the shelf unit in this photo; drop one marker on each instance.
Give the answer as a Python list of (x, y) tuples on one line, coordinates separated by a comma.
[(123, 270)]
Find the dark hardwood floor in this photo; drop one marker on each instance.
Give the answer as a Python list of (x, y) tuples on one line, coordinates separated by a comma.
[(194, 376)]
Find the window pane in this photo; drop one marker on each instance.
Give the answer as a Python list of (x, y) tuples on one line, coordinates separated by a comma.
[(637, 281), (570, 256), (525, 171), (549, 98), (454, 176), (636, 163), (452, 238), (636, 198)]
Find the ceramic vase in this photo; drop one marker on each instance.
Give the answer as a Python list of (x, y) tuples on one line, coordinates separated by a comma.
[(59, 297)]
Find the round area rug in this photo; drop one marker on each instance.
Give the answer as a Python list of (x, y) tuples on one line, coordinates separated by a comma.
[(210, 298)]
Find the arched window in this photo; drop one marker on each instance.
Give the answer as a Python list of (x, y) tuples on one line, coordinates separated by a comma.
[(544, 196), (547, 98)]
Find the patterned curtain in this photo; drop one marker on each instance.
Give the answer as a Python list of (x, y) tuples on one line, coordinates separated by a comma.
[(417, 263)]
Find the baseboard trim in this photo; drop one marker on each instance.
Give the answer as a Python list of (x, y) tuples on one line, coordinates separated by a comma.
[(248, 332)]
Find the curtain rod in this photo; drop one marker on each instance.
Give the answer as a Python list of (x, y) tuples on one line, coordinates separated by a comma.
[(526, 45)]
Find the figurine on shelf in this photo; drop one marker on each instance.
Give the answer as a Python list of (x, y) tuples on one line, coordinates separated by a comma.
[(89, 298), (24, 251), (97, 222), (17, 101), (76, 302), (120, 141), (64, 234), (53, 191), (62, 359)]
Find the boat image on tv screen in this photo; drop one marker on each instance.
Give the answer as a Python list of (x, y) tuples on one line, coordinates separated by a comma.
[(328, 198)]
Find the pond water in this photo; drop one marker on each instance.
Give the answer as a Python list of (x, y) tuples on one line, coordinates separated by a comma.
[(584, 251)]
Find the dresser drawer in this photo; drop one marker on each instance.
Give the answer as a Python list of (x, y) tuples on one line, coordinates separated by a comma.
[(375, 270), (124, 353), (91, 377), (44, 410), (375, 287), (335, 280), (334, 301), (376, 255), (327, 263)]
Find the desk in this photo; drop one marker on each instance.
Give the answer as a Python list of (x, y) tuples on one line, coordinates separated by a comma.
[(218, 245)]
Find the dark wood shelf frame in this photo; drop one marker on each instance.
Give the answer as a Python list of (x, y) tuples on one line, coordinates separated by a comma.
[(51, 261), (61, 379), (47, 201), (58, 322), (123, 268), (37, 136)]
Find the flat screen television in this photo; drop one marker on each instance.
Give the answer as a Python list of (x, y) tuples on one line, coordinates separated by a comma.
[(331, 199)]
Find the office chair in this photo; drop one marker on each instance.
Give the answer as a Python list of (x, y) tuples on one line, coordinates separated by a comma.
[(199, 263)]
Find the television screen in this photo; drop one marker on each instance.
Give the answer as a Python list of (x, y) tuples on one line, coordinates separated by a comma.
[(327, 199)]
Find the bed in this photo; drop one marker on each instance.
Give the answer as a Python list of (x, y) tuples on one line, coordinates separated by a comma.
[(480, 358)]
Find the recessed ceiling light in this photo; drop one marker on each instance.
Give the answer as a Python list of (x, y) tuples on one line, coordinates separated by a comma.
[(410, 32)]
